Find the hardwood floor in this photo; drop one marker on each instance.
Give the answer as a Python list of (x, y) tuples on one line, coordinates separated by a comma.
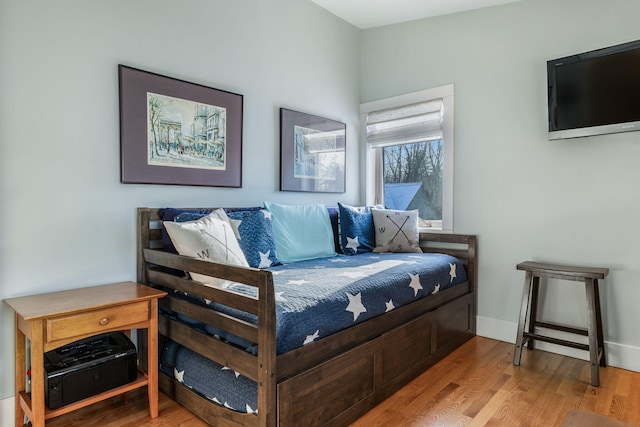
[(477, 385)]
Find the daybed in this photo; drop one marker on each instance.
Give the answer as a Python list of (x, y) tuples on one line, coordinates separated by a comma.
[(328, 381)]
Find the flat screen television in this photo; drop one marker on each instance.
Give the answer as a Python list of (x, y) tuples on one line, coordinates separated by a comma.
[(595, 92)]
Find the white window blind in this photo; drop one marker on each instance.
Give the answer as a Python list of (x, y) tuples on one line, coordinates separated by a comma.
[(410, 123)]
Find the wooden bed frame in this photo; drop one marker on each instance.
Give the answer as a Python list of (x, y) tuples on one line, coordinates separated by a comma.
[(332, 381)]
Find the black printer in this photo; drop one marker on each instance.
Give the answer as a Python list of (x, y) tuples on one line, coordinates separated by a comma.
[(87, 367)]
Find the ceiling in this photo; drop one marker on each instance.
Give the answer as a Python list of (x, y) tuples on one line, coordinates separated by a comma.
[(375, 13)]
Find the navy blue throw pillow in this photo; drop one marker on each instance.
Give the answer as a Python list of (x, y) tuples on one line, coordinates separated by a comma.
[(357, 234), (255, 237)]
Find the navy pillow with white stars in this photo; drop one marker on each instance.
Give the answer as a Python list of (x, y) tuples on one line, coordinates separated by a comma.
[(357, 234), (256, 237)]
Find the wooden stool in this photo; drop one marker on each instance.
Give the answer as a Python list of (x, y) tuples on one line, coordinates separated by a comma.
[(529, 308)]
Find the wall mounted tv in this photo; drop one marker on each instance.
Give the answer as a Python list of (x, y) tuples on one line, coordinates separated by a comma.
[(595, 92)]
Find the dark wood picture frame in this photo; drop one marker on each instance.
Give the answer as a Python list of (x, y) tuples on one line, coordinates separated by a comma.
[(312, 153), (178, 133)]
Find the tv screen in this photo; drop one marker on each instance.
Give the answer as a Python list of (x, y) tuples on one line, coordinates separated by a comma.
[(595, 92)]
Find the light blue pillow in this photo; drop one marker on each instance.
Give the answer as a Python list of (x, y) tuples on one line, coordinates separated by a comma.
[(357, 234), (301, 232)]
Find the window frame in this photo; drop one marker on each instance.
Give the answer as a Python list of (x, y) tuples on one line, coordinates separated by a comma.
[(373, 156)]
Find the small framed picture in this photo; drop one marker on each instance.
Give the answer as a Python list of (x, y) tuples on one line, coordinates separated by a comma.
[(176, 132), (312, 153)]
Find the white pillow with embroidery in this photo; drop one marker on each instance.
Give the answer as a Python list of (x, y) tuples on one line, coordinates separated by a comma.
[(210, 238), (396, 231)]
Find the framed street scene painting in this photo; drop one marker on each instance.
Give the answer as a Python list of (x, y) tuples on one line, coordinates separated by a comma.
[(177, 132), (312, 153)]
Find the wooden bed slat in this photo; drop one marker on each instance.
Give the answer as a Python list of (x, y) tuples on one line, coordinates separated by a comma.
[(245, 303), (155, 234), (457, 253), (246, 275), (214, 318), (211, 348), (448, 238)]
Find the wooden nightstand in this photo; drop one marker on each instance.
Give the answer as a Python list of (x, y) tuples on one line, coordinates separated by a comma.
[(54, 319)]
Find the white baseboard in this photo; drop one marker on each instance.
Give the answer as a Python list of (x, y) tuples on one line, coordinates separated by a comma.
[(618, 355), (496, 329), (7, 410)]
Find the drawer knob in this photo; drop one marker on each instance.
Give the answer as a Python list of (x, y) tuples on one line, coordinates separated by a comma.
[(104, 321)]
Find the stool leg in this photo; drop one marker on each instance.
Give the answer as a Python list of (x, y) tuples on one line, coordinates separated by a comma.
[(592, 330), (533, 310), (596, 291), (524, 308)]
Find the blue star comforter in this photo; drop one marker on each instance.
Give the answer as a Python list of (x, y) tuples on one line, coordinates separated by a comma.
[(315, 299)]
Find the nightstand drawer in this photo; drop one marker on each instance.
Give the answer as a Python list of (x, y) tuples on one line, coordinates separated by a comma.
[(94, 322)]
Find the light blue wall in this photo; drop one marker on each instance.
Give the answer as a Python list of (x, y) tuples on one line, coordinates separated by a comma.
[(574, 201), (67, 221)]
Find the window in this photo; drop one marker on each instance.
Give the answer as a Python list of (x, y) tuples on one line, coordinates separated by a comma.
[(409, 152)]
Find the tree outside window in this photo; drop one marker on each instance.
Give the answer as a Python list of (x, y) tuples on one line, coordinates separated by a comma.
[(413, 178)]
